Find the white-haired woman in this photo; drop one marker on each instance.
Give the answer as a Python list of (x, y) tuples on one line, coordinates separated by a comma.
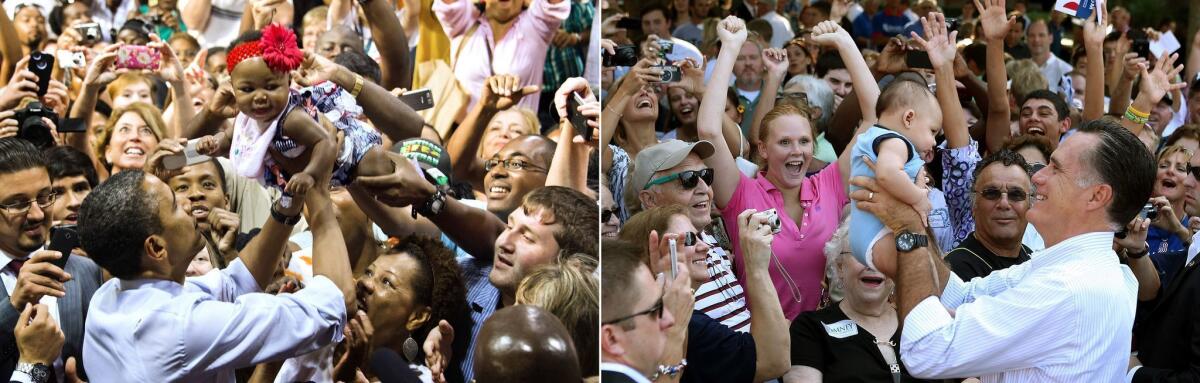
[(855, 339)]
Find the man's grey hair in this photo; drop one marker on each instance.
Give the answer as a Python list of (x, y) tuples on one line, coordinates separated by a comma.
[(819, 94)]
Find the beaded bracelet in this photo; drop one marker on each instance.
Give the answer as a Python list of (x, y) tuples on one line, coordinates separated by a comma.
[(670, 371)]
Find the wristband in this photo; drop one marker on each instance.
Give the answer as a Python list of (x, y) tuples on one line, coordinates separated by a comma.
[(1132, 115), (1137, 255), (284, 219), (1136, 112), (358, 85), (669, 371)]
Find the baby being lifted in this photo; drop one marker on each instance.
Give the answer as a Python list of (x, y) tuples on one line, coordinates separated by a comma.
[(287, 138)]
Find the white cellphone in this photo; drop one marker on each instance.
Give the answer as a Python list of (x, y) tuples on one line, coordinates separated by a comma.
[(674, 258)]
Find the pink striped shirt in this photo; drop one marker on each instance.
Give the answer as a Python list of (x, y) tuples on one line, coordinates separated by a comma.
[(799, 248), (521, 52)]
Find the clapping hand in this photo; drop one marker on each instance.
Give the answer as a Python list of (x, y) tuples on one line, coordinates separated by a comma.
[(937, 43)]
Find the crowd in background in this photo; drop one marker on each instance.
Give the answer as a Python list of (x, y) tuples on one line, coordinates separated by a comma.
[(886, 190), (294, 191)]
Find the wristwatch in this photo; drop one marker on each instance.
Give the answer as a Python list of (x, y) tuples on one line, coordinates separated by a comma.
[(908, 241), (432, 205), (38, 373), (1137, 255), (282, 218)]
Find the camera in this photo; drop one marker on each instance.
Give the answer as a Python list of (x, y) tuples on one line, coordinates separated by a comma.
[(89, 31), (670, 73), (952, 24), (665, 46), (773, 220), (32, 128), (626, 55), (69, 60), (1149, 212)]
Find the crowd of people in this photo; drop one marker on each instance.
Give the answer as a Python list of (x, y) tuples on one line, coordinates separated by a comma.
[(299, 191), (874, 190)]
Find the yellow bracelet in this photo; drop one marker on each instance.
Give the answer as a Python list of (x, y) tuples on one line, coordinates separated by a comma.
[(358, 85), (1138, 113)]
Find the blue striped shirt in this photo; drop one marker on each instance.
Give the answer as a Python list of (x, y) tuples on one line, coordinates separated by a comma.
[(482, 297), (1064, 316)]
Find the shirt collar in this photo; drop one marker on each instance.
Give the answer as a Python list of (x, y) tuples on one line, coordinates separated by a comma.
[(8, 258), (147, 283), (807, 193), (624, 370), (1193, 249), (1075, 247)]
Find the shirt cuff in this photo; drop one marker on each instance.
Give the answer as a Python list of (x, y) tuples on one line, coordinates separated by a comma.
[(242, 278), (955, 292), (322, 293), (18, 376), (927, 317), (1132, 373)]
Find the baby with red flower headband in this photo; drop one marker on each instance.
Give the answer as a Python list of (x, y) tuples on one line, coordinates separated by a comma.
[(288, 138)]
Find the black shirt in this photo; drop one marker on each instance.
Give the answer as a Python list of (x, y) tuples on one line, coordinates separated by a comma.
[(830, 341), (971, 259), (716, 353)]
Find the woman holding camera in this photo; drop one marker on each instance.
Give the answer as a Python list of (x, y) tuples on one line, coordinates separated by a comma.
[(1169, 234)]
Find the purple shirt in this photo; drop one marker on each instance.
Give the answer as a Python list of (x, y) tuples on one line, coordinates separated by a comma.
[(800, 249), (521, 52)]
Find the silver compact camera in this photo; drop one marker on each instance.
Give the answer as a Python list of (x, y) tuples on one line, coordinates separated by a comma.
[(773, 220), (70, 60)]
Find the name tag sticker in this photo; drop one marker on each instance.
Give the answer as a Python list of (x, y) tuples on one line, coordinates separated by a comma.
[(841, 330)]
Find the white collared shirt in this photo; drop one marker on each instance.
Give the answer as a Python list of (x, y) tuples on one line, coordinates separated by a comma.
[(10, 282), (1064, 316), (624, 370), (160, 331)]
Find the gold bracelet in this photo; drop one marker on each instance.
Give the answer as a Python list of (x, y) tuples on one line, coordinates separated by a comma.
[(1138, 113), (358, 85)]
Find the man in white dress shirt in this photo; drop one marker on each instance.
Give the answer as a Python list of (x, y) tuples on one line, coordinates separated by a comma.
[(781, 29), (150, 324), (1053, 68), (1064, 316)]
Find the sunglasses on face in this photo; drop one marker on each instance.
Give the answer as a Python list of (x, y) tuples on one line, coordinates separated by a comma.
[(688, 178), (607, 214), (1012, 194), (655, 311), (1194, 171), (690, 238)]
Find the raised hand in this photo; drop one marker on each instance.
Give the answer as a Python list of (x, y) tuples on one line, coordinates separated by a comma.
[(830, 34), (100, 72), (732, 32), (39, 277), (224, 225), (1134, 66), (437, 349), (1157, 82), (995, 22), (776, 61), (505, 91), (640, 75), (571, 85), (22, 85), (170, 69), (314, 69), (756, 236), (223, 102), (891, 60), (937, 43), (1135, 235), (691, 77), (1093, 30)]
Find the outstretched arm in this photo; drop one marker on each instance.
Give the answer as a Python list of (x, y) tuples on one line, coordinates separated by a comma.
[(732, 32), (776, 61), (1154, 85), (866, 90), (392, 42), (940, 46), (1093, 40), (995, 27)]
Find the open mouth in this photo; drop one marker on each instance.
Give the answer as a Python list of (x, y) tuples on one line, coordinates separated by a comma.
[(199, 212), (794, 167), (362, 300), (1168, 184), (1036, 129), (702, 205), (644, 104), (501, 260), (686, 111), (72, 218), (872, 281), (135, 151), (498, 191)]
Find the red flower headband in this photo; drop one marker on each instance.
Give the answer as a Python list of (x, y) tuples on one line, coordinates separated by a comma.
[(277, 47)]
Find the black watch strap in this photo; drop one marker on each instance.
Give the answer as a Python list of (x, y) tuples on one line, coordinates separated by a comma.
[(1139, 254), (432, 205), (283, 218)]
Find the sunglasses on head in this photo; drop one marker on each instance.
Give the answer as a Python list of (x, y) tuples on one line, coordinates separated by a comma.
[(994, 194), (688, 178)]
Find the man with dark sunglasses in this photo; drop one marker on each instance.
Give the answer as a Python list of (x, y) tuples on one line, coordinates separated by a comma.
[(673, 172), (633, 327), (999, 201)]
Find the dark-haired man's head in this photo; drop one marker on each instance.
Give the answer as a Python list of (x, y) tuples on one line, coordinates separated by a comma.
[(1001, 197), (358, 62), (24, 199), (976, 57), (1045, 113), (72, 177), (552, 222), (831, 69), (1097, 180), (337, 40), (200, 188), (814, 13), (656, 21), (631, 332), (525, 343), (517, 169), (133, 226), (909, 108)]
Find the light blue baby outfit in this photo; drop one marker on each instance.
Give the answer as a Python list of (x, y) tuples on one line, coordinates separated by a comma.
[(865, 228)]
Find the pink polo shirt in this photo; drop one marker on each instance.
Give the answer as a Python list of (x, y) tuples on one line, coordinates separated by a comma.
[(799, 248)]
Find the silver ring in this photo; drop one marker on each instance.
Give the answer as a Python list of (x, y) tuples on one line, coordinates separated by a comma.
[(870, 196)]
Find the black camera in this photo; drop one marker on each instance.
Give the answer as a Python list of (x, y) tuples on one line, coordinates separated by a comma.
[(626, 55), (952, 24), (32, 128)]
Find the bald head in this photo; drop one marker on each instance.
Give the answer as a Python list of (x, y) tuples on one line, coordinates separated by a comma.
[(524, 343), (905, 93)]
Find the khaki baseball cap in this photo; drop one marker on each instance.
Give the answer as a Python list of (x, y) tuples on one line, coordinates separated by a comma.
[(664, 155)]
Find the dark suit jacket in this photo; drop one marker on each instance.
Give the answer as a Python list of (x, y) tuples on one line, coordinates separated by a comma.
[(1168, 334), (72, 311), (615, 377)]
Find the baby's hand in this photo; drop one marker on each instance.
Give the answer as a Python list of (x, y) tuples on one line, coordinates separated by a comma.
[(924, 207), (299, 184), (208, 145)]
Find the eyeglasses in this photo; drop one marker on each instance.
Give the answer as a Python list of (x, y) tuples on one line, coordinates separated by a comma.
[(655, 311), (690, 238), (1036, 166), (994, 194), (21, 207), (607, 214), (688, 178), (511, 165)]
